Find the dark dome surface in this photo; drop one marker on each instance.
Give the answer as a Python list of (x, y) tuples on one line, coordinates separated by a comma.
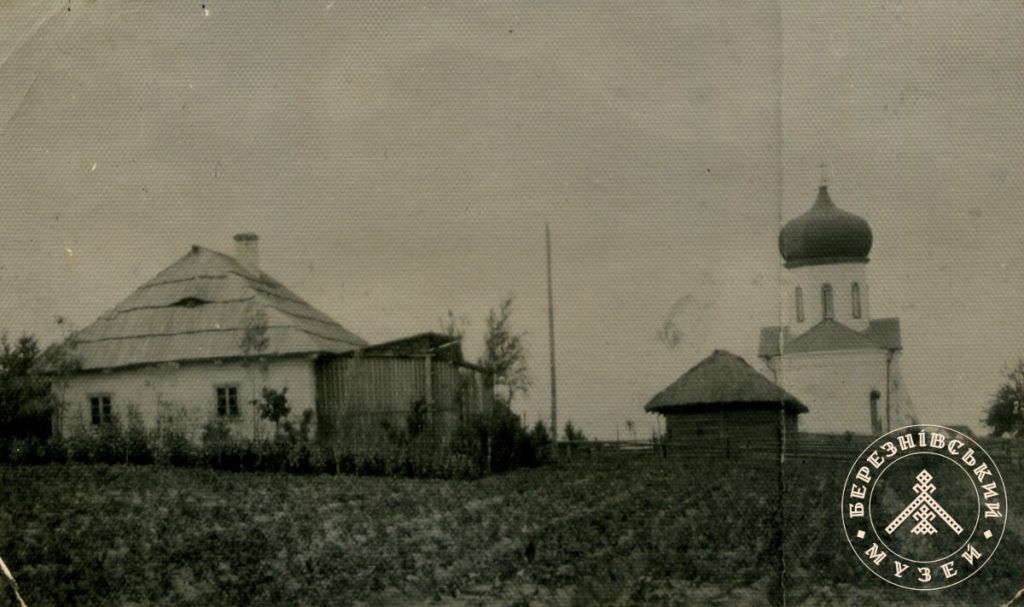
[(825, 234)]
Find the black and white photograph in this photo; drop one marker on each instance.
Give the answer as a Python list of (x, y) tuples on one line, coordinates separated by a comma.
[(514, 303)]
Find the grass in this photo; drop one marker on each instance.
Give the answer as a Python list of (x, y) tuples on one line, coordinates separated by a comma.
[(626, 530)]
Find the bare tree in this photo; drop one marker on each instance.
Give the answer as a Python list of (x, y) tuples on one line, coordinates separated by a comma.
[(454, 326), (253, 345)]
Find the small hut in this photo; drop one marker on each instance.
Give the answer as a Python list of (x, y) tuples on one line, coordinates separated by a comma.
[(723, 403)]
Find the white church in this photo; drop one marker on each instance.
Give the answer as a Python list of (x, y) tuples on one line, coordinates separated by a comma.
[(830, 353)]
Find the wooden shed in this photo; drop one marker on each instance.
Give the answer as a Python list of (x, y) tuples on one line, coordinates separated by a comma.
[(723, 403), (367, 397)]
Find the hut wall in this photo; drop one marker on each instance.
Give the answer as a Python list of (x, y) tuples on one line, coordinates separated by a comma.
[(728, 430), (364, 403)]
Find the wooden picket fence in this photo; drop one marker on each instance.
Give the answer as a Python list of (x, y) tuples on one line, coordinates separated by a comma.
[(1009, 454)]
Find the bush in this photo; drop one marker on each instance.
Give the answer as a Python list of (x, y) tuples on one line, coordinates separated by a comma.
[(291, 450), (28, 450), (538, 449), (105, 444), (81, 448), (109, 443), (573, 434), (221, 451), (56, 450), (172, 448), (498, 442), (137, 442), (511, 446)]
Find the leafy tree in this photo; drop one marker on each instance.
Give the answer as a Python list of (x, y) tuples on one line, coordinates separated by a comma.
[(274, 405), (1006, 411), (27, 375), (504, 355)]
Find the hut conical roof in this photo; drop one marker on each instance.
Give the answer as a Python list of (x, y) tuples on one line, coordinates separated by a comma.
[(722, 379)]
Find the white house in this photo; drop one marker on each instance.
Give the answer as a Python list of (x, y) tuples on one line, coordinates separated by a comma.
[(830, 353), (174, 354)]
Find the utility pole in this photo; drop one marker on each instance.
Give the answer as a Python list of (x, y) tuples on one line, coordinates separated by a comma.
[(551, 343)]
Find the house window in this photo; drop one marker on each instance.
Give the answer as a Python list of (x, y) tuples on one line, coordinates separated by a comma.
[(827, 308), (227, 401), (799, 304), (100, 409), (855, 289)]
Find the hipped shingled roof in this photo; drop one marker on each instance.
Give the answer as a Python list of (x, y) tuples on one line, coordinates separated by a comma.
[(829, 335), (198, 308), (722, 379)]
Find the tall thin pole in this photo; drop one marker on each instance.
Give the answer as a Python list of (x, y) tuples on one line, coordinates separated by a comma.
[(551, 342)]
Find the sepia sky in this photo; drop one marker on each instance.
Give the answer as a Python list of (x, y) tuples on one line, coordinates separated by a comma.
[(399, 160)]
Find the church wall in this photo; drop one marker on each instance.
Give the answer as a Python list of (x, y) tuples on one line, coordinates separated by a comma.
[(903, 413), (184, 398), (836, 387), (810, 279)]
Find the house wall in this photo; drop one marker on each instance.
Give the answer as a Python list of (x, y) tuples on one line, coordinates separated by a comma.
[(836, 386), (183, 396)]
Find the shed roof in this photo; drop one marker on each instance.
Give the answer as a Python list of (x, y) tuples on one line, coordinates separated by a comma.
[(438, 345), (198, 308), (722, 379), (828, 335), (421, 344)]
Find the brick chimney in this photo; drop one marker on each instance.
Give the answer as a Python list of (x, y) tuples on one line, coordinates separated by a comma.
[(247, 252)]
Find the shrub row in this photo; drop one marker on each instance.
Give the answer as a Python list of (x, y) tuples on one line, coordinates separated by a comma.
[(495, 444)]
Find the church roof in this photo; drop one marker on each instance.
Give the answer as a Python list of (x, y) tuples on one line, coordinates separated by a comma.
[(829, 335), (199, 308), (825, 234), (722, 379)]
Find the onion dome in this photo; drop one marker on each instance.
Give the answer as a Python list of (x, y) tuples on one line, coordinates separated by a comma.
[(825, 234)]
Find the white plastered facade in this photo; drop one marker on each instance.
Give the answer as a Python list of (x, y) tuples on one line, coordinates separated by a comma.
[(183, 396)]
